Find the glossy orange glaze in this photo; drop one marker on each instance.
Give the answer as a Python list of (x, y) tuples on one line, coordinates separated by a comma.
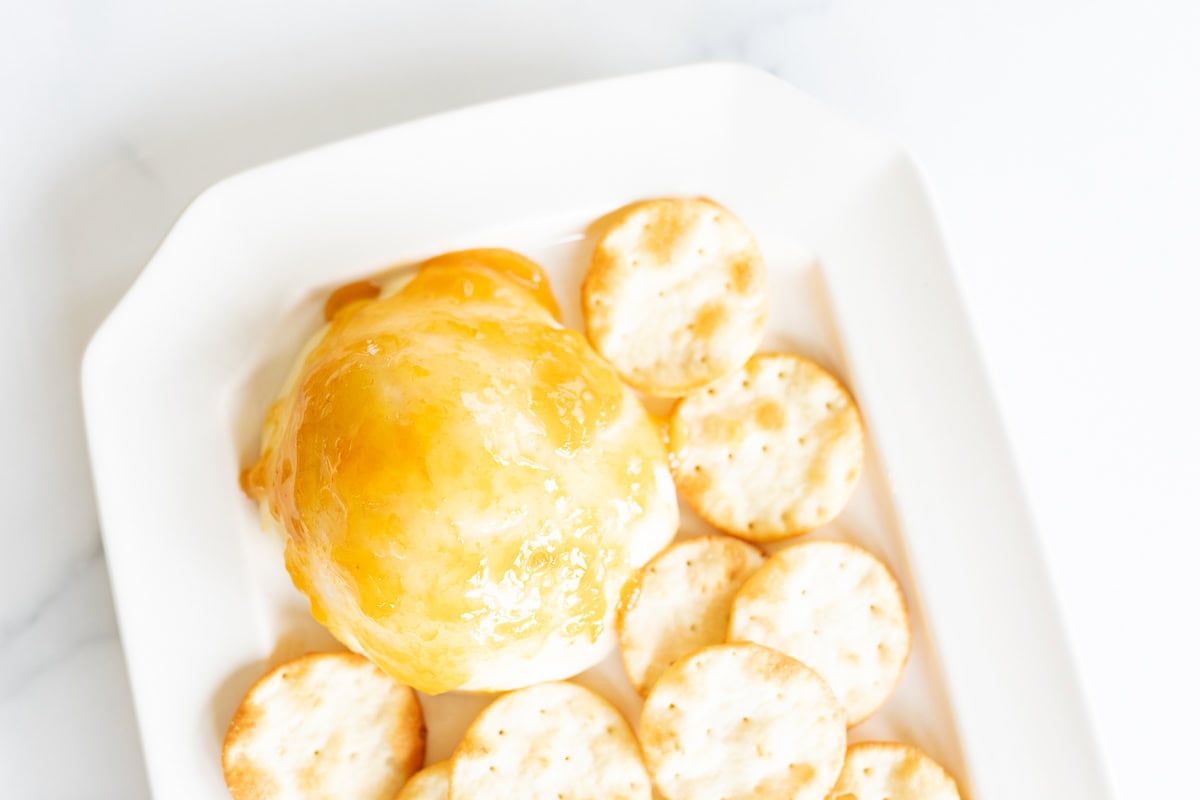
[(344, 296), (449, 473), (513, 267)]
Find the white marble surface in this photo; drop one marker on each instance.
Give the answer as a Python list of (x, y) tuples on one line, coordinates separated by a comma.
[(1060, 138)]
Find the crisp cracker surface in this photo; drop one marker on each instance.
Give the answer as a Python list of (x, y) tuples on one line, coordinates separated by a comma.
[(838, 609), (679, 602), (553, 741), (325, 726), (676, 294), (771, 451), (740, 721), (431, 783), (891, 771)]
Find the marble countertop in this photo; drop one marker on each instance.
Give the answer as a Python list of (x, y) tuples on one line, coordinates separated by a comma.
[(1059, 138)]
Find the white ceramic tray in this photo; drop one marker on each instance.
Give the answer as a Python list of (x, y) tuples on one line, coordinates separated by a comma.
[(176, 382)]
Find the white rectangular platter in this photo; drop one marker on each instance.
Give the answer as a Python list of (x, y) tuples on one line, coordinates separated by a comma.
[(178, 378)]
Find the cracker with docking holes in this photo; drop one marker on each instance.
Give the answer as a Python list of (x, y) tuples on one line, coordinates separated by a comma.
[(835, 607), (324, 725), (891, 771), (679, 602), (431, 783), (552, 741), (741, 721), (771, 451), (676, 294)]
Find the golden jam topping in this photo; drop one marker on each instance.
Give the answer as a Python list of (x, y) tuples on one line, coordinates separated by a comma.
[(457, 473)]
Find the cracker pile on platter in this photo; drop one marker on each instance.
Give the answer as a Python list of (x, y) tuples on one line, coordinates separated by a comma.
[(752, 667)]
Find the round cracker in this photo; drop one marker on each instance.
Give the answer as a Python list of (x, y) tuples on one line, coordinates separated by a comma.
[(838, 609), (891, 771), (431, 783), (556, 741), (679, 602), (737, 721), (676, 294), (772, 451), (324, 725)]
